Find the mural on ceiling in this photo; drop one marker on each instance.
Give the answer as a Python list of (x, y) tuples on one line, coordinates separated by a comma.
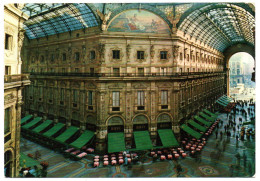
[(138, 21)]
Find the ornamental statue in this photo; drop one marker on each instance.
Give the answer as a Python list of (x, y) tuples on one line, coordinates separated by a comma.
[(104, 18)]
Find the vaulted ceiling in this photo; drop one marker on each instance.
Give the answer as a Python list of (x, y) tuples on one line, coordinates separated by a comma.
[(219, 25)]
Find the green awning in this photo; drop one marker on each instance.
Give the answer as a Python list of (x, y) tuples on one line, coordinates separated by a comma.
[(26, 161), (116, 142), (202, 120), (84, 138), (54, 129), (142, 140), (198, 126), (26, 118), (229, 98), (32, 123), (224, 101), (190, 131), (210, 113), (206, 117), (67, 134), (167, 137), (42, 126), (221, 104)]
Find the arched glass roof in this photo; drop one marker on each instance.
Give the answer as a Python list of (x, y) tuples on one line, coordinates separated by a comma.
[(50, 19), (220, 25)]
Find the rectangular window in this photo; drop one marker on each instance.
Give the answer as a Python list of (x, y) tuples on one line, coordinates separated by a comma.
[(52, 70), (42, 59), (140, 71), (7, 70), (193, 69), (188, 57), (41, 92), (8, 41), (140, 100), (90, 98), (116, 54), (7, 120), (52, 57), (64, 57), (92, 55), (180, 70), (140, 54), (116, 72), (163, 54), (75, 96), (164, 71), (164, 97), (188, 70), (76, 70), (62, 94), (76, 56), (92, 71), (181, 56), (50, 94), (63, 70), (115, 100)]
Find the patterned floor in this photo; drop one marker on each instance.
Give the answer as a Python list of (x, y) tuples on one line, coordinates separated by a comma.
[(214, 161)]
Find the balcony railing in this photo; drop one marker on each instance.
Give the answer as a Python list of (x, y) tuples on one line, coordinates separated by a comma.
[(16, 78), (124, 74)]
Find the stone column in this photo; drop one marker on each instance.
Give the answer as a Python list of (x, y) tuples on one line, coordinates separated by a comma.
[(153, 101)]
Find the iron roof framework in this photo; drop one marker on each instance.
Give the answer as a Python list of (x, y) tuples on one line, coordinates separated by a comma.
[(220, 25), (56, 18)]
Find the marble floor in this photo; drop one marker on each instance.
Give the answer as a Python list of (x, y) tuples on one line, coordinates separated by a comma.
[(217, 160)]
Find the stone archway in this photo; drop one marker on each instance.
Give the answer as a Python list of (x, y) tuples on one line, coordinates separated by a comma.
[(91, 123), (164, 121), (8, 163), (140, 123), (229, 52), (115, 124)]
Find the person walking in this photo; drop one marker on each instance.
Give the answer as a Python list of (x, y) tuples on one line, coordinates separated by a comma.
[(221, 134), (244, 158), (238, 158), (216, 134)]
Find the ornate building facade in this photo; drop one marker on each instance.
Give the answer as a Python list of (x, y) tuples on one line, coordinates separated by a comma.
[(14, 82), (111, 78)]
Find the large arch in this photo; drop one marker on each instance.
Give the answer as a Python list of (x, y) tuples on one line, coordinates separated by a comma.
[(130, 6), (9, 162), (229, 52), (115, 124), (201, 5)]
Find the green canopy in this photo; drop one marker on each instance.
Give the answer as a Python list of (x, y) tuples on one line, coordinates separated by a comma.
[(32, 123), (210, 113), (54, 130), (67, 134), (202, 120), (229, 98), (221, 104), (142, 140), (84, 138), (167, 137), (190, 131), (26, 161), (116, 142), (42, 126), (224, 101), (26, 118), (198, 126), (206, 117)]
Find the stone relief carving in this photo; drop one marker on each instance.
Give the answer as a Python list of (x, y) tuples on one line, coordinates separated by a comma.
[(101, 50), (152, 51), (176, 51), (8, 98), (128, 49)]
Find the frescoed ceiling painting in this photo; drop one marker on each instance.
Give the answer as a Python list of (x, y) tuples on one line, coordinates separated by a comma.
[(139, 21)]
